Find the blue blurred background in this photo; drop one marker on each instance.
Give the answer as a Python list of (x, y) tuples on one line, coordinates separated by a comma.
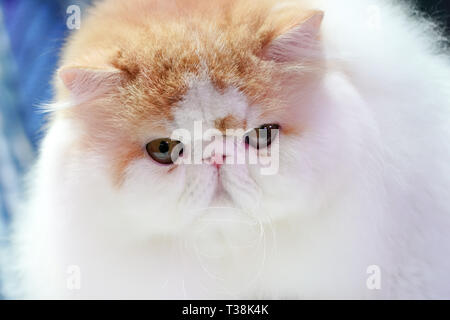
[(31, 35)]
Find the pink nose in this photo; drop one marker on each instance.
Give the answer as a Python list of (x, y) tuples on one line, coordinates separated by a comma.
[(217, 160)]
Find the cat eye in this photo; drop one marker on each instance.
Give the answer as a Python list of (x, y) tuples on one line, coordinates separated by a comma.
[(263, 136), (165, 151)]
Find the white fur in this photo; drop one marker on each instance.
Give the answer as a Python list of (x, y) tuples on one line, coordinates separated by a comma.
[(366, 184)]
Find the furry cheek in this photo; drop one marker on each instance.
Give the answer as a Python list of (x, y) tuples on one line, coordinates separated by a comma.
[(149, 194)]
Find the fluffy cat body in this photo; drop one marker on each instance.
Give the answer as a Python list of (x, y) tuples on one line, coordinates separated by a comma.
[(364, 175)]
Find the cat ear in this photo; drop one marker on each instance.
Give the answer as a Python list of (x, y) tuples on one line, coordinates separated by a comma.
[(296, 41), (89, 82)]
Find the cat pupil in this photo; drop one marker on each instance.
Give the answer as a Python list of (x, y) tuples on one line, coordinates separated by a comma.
[(164, 147)]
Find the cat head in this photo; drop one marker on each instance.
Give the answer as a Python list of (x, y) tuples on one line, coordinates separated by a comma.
[(147, 83)]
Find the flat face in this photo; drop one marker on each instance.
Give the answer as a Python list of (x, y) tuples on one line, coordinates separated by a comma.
[(201, 71)]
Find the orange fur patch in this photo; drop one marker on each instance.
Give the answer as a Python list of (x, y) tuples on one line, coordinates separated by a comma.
[(229, 122)]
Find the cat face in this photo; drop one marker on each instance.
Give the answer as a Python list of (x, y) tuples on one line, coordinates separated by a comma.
[(148, 114)]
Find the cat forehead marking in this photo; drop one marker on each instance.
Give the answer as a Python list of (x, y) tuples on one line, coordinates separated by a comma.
[(203, 102)]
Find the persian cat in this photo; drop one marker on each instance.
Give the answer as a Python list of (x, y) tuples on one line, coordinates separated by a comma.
[(343, 106)]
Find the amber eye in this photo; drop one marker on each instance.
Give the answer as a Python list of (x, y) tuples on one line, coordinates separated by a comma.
[(263, 136), (165, 151)]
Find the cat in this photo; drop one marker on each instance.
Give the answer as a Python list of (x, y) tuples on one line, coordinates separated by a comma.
[(351, 99)]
